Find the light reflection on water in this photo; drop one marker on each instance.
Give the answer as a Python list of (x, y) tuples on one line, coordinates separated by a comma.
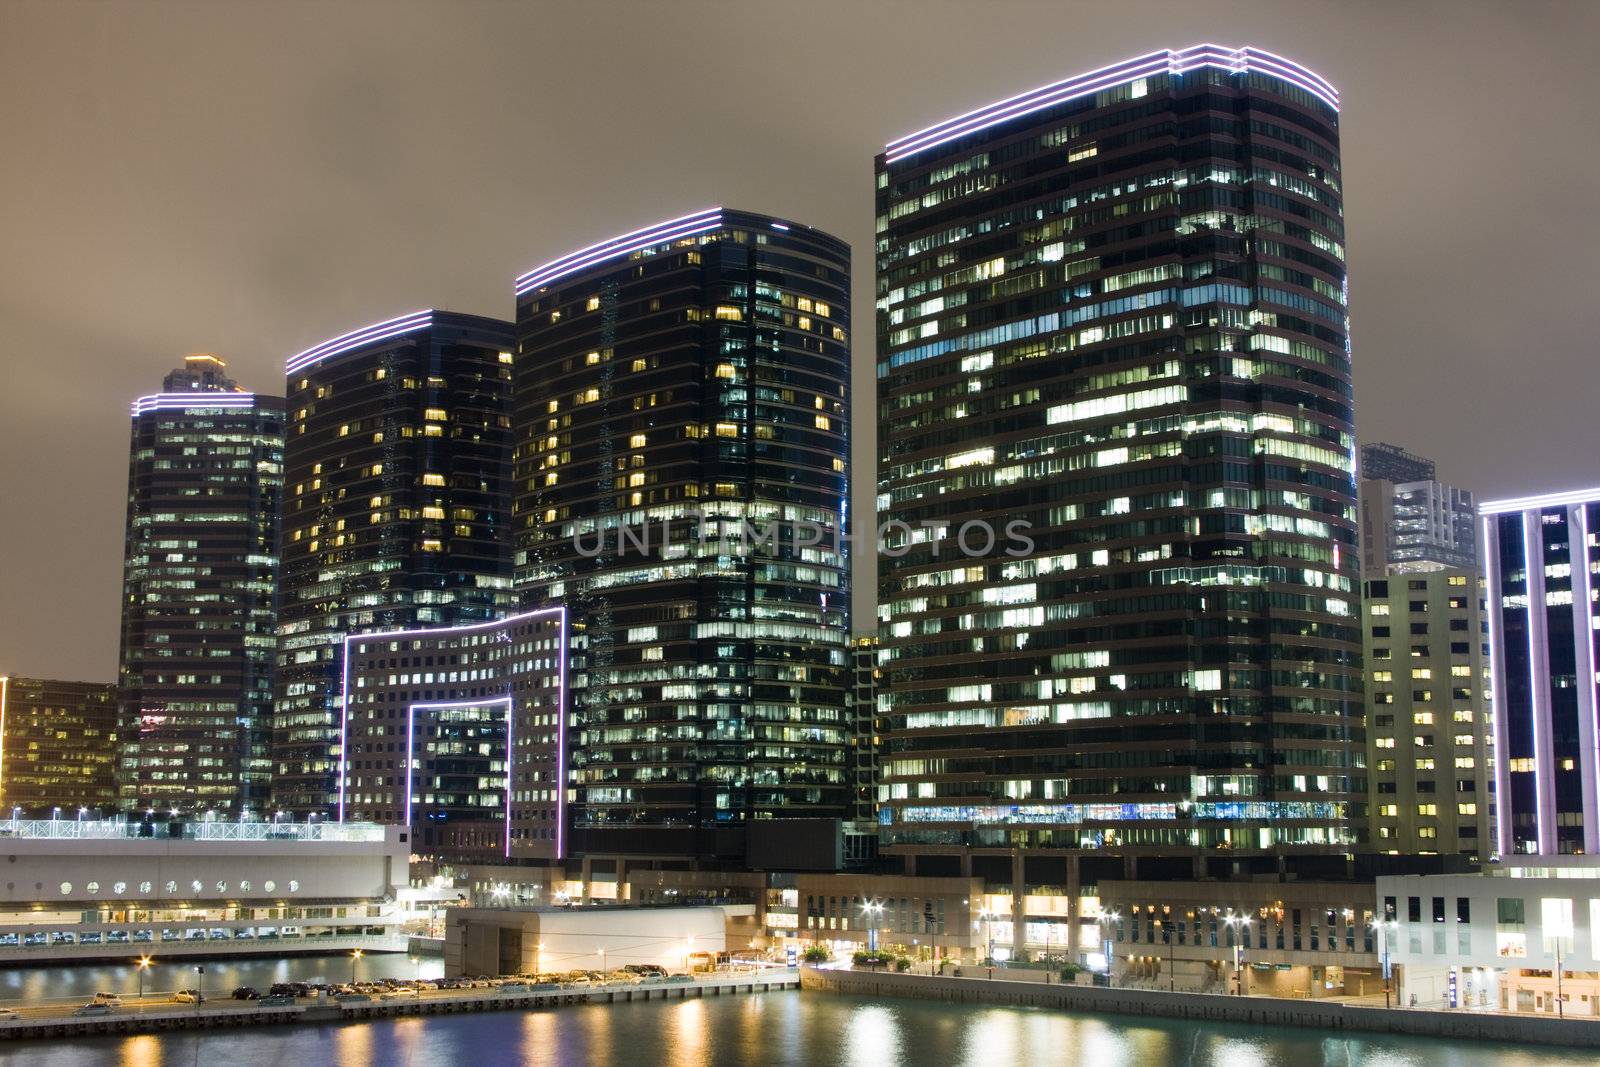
[(775, 1030)]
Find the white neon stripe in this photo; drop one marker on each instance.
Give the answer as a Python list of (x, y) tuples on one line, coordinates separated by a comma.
[(661, 233), (1234, 60), (178, 401), (1539, 680), (377, 331), (1547, 500), (1497, 677), (1583, 642), (410, 738), (559, 612)]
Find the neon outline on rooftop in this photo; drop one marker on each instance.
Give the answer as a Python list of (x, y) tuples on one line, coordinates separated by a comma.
[(1243, 60)]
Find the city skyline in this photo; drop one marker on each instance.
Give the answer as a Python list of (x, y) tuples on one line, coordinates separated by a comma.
[(257, 246)]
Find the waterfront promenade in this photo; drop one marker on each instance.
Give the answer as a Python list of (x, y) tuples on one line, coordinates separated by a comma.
[(1331, 1017), (158, 1013)]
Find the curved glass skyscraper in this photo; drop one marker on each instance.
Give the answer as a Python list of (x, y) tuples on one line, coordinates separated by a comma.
[(1112, 311), (200, 569), (682, 473)]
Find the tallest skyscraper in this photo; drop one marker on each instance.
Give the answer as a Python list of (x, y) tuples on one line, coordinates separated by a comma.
[(1113, 310)]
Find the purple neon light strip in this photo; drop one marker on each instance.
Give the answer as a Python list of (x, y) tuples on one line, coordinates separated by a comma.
[(561, 705), (1497, 676), (1538, 670), (176, 401), (436, 706), (1546, 500), (366, 335), (661, 233), (1583, 634), (1234, 60)]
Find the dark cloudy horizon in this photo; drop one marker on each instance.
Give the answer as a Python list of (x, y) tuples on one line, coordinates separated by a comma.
[(250, 179)]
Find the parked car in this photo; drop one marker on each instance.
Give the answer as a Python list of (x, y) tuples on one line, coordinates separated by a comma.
[(515, 987), (108, 998), (7, 1013), (95, 1009), (679, 979), (645, 968), (189, 996), (245, 992)]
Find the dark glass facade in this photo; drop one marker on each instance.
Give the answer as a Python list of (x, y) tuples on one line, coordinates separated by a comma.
[(1113, 312), (396, 508), (58, 746), (682, 468), (1542, 562), (200, 567)]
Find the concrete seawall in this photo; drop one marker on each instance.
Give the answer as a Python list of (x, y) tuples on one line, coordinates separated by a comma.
[(1259, 1011), (223, 1014)]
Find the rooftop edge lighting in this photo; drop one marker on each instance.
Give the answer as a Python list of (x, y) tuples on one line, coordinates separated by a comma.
[(177, 401), (620, 245), (366, 335), (1243, 60), (1546, 500)]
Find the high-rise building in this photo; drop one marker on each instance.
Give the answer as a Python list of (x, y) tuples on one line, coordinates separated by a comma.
[(200, 568), (1428, 733), (1410, 520), (459, 733), (395, 517), (58, 746), (864, 761), (1117, 597), (682, 471), (1542, 568)]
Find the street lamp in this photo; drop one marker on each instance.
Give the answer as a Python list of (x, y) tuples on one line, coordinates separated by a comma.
[(144, 965), (355, 955), (1166, 936), (1108, 944), (871, 908), (1383, 926), (1241, 935)]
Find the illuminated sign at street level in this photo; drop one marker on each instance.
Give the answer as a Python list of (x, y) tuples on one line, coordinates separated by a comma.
[(1244, 60), (1075, 814), (451, 631), (187, 401), (366, 335)]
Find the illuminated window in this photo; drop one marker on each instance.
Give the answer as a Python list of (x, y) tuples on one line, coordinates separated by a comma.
[(431, 545), (593, 304), (436, 414), (636, 441), (591, 359), (725, 370), (728, 313), (433, 479), (824, 423), (727, 429)]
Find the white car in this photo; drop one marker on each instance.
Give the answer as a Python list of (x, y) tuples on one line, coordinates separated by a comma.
[(188, 996), (111, 999)]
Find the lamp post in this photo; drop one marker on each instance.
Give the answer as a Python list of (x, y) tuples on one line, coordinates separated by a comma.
[(1108, 944), (870, 909), (200, 990), (1383, 926), (1560, 1006), (144, 965), (1241, 934), (355, 957)]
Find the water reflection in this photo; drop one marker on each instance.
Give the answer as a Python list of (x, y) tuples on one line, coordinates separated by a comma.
[(779, 1030)]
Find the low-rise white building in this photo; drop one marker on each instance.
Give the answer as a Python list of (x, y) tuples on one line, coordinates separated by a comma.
[(1516, 937), (88, 889), (538, 940)]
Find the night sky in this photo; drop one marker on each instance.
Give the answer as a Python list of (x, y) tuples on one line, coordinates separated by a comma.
[(250, 179)]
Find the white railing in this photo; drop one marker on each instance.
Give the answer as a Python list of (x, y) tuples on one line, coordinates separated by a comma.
[(217, 830)]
